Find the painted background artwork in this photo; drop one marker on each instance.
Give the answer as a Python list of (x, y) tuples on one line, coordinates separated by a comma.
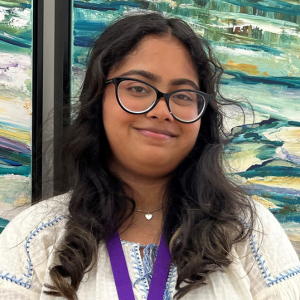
[(15, 103), (258, 43)]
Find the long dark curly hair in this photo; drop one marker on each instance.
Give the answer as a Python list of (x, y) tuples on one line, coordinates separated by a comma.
[(204, 211)]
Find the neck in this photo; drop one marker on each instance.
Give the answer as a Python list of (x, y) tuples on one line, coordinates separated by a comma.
[(147, 192), (149, 195)]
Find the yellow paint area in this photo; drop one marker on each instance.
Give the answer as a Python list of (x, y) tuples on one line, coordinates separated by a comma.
[(241, 161), (290, 136), (292, 148), (28, 105), (247, 68), (16, 134), (284, 182), (22, 200), (264, 202), (285, 134), (4, 98)]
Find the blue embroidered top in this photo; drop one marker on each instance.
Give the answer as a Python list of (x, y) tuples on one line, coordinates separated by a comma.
[(265, 267)]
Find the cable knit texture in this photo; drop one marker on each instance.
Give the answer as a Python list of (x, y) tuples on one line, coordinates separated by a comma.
[(265, 266)]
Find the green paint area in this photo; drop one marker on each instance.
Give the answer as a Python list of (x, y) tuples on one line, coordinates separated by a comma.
[(266, 151), (15, 71), (249, 141), (15, 26), (257, 42), (13, 49), (15, 3), (19, 170), (19, 186), (29, 85), (16, 156), (3, 224), (265, 169), (293, 123)]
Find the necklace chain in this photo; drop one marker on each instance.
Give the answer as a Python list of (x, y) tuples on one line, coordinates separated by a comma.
[(148, 214)]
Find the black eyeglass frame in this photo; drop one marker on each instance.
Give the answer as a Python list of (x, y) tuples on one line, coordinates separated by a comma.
[(117, 80)]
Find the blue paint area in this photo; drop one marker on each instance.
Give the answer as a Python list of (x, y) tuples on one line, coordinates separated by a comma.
[(270, 6), (254, 133), (91, 18), (9, 150), (20, 170), (9, 162), (9, 48), (266, 151), (262, 171), (83, 41), (88, 26), (17, 5), (294, 123), (92, 6), (104, 6), (25, 5), (283, 196), (15, 56), (291, 82), (3, 224), (256, 48), (14, 125), (288, 199), (284, 216), (16, 41), (86, 31), (264, 48)]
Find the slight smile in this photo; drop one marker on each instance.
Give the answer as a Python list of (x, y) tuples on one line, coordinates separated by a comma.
[(156, 133)]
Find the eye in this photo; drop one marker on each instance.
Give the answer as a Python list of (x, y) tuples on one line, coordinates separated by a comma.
[(182, 97), (137, 89)]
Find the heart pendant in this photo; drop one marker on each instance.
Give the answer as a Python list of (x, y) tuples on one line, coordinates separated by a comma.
[(148, 216)]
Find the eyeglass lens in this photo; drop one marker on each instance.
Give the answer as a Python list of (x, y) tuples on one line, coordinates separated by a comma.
[(138, 97)]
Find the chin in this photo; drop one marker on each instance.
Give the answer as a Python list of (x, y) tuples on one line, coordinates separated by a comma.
[(157, 165)]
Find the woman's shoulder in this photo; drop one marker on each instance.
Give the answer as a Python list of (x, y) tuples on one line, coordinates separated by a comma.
[(30, 237), (41, 215), (267, 238), (268, 257)]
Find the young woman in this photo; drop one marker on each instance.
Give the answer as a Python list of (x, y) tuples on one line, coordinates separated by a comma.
[(150, 213)]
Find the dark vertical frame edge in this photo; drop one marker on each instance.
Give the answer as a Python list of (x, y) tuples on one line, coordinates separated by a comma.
[(62, 88), (37, 98)]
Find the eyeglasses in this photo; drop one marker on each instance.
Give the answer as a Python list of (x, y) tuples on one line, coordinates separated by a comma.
[(138, 97)]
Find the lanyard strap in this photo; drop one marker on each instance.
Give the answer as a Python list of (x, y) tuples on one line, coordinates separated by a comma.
[(121, 274)]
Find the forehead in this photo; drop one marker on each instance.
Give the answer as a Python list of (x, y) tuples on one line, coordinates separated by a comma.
[(163, 55)]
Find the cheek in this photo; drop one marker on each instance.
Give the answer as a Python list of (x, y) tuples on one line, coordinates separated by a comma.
[(189, 137), (110, 121), (112, 112), (192, 131), (116, 123)]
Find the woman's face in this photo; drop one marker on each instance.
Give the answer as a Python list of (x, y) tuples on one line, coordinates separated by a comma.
[(151, 144)]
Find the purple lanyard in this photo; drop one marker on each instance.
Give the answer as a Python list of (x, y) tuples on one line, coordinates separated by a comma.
[(121, 275)]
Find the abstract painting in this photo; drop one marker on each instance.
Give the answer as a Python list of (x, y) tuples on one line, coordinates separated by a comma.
[(15, 103), (258, 43)]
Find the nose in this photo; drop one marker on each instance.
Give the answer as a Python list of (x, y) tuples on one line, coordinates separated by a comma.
[(160, 111)]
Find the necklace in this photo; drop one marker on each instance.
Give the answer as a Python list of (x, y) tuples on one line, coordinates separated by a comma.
[(148, 214)]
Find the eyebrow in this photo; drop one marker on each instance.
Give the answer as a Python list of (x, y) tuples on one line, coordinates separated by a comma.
[(156, 78)]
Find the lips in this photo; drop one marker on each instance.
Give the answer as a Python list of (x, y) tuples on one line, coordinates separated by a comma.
[(156, 133)]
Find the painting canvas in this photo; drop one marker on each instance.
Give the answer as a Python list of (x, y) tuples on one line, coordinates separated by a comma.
[(15, 103), (258, 43)]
